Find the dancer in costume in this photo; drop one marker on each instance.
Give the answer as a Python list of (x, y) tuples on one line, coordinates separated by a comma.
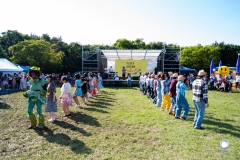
[(36, 95)]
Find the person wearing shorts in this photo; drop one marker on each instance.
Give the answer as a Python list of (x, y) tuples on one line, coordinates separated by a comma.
[(77, 91)]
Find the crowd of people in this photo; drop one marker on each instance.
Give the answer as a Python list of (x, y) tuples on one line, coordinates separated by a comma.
[(167, 91), (42, 91), (86, 86)]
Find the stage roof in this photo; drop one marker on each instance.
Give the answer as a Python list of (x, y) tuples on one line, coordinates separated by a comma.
[(132, 54)]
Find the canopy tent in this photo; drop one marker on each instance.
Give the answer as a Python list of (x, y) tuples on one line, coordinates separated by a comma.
[(24, 68), (187, 70), (132, 54), (7, 66)]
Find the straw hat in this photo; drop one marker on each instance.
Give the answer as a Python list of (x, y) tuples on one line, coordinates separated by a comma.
[(201, 73), (180, 78), (175, 75)]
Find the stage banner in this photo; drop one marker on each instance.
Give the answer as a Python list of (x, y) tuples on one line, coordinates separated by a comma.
[(134, 67)]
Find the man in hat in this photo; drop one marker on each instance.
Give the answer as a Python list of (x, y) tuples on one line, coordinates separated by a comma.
[(172, 93), (200, 98), (36, 95)]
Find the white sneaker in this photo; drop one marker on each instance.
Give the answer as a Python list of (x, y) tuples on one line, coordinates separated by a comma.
[(77, 106), (52, 119)]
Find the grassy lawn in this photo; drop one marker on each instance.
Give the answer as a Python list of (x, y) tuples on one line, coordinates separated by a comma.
[(121, 124)]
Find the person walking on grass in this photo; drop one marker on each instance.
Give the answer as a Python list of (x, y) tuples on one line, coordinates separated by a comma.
[(51, 104), (66, 97), (172, 94), (200, 99), (181, 101), (77, 91)]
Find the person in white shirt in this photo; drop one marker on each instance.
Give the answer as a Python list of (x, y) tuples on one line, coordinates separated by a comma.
[(110, 69), (141, 81), (116, 78), (144, 83), (129, 80), (238, 80), (66, 97)]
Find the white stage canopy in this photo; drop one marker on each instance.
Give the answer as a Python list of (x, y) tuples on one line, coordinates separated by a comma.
[(132, 54), (150, 56)]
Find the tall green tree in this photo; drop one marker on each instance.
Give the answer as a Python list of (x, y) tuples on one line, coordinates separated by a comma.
[(228, 53), (199, 57), (2, 54), (8, 39), (123, 44), (37, 53)]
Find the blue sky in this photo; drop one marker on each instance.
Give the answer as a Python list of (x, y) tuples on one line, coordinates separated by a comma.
[(184, 22)]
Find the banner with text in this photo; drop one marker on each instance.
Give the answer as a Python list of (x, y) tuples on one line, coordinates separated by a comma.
[(134, 67)]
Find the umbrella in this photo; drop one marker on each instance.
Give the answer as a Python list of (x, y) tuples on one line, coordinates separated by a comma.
[(220, 63), (238, 66), (212, 66)]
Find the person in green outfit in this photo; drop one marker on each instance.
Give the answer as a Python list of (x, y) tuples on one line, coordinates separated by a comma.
[(36, 95)]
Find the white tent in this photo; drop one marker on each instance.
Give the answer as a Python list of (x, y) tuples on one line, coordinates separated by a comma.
[(7, 66)]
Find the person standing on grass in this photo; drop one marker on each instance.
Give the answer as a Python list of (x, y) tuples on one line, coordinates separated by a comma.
[(165, 85), (129, 80), (100, 86), (172, 93), (51, 104), (141, 81), (181, 101), (237, 80), (159, 88), (155, 89), (65, 97), (200, 99), (77, 91), (84, 87)]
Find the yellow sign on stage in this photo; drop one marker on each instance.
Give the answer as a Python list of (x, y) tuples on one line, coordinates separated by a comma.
[(134, 67)]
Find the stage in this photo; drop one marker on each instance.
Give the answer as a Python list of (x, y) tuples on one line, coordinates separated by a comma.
[(122, 83)]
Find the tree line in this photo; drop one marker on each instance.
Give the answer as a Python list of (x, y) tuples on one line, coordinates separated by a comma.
[(52, 54)]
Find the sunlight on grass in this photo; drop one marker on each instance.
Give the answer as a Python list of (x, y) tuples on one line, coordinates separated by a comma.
[(121, 124)]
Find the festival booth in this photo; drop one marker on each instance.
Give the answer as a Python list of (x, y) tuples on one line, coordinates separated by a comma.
[(24, 68), (7, 67), (187, 70)]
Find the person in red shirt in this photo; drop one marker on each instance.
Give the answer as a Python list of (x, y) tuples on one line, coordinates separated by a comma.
[(172, 93)]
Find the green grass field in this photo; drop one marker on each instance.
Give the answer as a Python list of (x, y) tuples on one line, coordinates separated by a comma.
[(121, 124)]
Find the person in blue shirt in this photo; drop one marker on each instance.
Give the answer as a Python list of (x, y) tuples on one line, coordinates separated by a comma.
[(181, 101)]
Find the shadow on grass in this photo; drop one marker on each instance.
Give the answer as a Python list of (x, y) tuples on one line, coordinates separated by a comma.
[(4, 105), (221, 127), (76, 145), (66, 125), (96, 110), (79, 117)]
